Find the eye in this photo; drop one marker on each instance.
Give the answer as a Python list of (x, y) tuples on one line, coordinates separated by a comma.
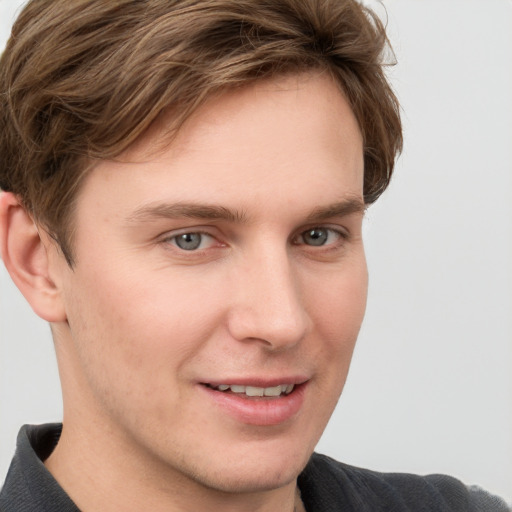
[(318, 237), (192, 241)]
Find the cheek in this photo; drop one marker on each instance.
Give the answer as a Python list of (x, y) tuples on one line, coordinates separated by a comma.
[(337, 315), (140, 322), (339, 306), (133, 342)]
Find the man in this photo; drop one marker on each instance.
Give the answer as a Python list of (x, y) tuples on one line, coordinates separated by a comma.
[(184, 186)]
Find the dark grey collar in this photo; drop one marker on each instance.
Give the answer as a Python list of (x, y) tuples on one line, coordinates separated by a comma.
[(29, 486)]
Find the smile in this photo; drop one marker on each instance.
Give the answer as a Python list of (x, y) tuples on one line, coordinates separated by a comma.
[(253, 391), (261, 405)]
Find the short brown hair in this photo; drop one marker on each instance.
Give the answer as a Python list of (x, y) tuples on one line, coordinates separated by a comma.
[(82, 79)]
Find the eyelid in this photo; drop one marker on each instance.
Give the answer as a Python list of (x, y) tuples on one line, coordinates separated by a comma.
[(339, 230), (172, 233), (342, 232), (170, 236)]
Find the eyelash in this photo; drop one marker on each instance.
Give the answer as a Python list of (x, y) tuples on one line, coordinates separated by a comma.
[(173, 240), (340, 234)]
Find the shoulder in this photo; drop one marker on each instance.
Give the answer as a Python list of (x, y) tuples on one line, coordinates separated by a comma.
[(330, 485), (29, 486)]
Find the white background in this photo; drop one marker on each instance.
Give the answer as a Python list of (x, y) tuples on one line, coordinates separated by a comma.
[(430, 388)]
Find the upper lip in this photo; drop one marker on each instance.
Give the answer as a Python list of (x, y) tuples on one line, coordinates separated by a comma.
[(257, 382)]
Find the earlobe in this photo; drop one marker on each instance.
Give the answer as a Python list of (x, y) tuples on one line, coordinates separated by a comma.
[(26, 258)]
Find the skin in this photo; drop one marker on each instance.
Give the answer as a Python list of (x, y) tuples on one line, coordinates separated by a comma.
[(140, 325)]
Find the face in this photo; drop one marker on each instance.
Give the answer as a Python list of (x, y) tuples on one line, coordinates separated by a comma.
[(219, 288)]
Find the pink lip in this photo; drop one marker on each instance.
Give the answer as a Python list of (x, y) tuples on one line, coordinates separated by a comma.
[(262, 411), (258, 381)]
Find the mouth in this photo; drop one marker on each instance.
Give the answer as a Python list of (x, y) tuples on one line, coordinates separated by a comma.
[(258, 403), (254, 391)]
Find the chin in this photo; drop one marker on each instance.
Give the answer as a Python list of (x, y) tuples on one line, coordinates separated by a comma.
[(262, 481), (258, 475)]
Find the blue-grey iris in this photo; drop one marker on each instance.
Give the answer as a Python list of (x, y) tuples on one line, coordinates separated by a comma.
[(315, 236), (189, 241)]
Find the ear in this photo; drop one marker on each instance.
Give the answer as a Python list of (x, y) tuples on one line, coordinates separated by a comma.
[(25, 255)]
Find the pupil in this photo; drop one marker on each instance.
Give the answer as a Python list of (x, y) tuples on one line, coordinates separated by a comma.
[(316, 237), (189, 241)]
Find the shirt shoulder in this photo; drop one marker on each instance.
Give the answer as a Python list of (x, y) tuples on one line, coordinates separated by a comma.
[(29, 486), (328, 485)]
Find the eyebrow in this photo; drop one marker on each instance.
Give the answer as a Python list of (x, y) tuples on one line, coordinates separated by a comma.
[(341, 208), (185, 210), (154, 211)]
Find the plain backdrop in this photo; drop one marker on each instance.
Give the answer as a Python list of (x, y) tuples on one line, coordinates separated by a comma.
[(430, 389)]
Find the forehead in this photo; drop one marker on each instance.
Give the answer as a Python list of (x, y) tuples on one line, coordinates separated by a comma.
[(311, 100), (287, 136)]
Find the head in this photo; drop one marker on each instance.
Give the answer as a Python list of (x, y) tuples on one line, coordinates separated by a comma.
[(187, 182)]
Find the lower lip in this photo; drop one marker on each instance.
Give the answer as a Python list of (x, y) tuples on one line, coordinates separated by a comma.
[(259, 411)]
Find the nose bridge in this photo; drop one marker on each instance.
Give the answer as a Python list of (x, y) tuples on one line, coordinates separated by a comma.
[(267, 304)]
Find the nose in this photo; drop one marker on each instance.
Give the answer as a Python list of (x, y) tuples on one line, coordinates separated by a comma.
[(267, 305)]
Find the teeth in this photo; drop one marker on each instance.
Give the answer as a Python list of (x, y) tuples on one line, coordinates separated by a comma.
[(255, 391), (252, 391), (275, 391)]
